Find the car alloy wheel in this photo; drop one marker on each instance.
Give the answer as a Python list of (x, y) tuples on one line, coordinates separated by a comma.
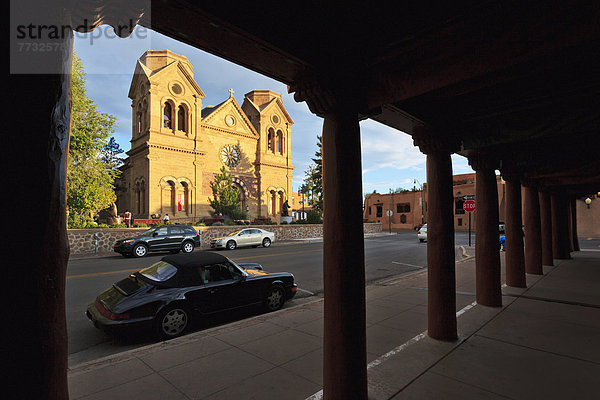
[(140, 250), (173, 322), (188, 247), (266, 242), (231, 245), (274, 300)]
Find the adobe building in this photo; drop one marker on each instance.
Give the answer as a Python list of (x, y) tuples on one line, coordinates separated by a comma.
[(407, 212), (409, 209), (177, 146)]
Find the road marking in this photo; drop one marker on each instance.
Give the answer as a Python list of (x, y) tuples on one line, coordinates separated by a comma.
[(408, 265), (103, 273), (234, 259), (374, 363), (306, 291), (275, 255)]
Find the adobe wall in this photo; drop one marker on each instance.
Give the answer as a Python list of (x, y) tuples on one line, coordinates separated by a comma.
[(82, 241)]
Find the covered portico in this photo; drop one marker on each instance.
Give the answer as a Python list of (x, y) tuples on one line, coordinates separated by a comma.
[(512, 86)]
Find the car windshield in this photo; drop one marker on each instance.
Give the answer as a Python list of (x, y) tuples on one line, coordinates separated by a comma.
[(159, 272), (234, 233), (148, 232)]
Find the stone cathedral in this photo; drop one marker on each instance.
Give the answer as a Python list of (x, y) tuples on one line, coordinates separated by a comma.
[(177, 146)]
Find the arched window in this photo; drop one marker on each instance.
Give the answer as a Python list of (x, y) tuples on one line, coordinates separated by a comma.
[(273, 202), (271, 140), (280, 205), (139, 122), (168, 116), (183, 201), (173, 191), (181, 119), (279, 142)]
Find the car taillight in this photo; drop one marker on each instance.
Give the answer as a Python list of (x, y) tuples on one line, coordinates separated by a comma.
[(108, 314), (418, 233), (294, 289)]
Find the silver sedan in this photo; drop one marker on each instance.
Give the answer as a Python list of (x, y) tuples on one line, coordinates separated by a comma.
[(245, 237)]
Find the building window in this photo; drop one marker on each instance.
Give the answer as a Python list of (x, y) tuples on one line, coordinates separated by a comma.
[(403, 208), (458, 206), (369, 210), (181, 119), (460, 222), (271, 140), (167, 116), (379, 211), (279, 142)]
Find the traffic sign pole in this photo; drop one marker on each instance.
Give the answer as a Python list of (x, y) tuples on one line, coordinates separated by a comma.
[(469, 229), (469, 206)]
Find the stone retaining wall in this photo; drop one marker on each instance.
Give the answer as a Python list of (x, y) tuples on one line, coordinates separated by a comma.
[(84, 241)]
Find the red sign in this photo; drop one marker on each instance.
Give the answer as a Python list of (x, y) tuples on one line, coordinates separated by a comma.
[(469, 205)]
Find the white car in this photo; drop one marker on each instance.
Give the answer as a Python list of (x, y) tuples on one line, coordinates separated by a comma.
[(245, 237), (422, 233)]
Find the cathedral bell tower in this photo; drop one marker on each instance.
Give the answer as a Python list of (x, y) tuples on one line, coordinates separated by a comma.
[(274, 159)]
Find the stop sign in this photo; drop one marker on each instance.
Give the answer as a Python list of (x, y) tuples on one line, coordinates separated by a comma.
[(469, 205)]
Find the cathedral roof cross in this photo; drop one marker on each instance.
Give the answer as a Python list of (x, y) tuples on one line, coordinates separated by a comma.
[(231, 92)]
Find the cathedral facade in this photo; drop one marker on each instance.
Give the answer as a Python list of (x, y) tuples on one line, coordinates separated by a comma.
[(177, 146)]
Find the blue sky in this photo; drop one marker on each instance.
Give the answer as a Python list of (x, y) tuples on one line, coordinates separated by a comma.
[(389, 159)]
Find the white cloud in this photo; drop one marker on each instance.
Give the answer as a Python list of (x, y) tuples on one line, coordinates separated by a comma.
[(385, 147)]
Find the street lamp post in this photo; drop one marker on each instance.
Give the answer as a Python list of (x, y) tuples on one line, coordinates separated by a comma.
[(421, 198)]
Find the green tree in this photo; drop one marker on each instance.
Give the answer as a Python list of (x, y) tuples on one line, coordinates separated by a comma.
[(313, 180), (225, 196), (90, 177), (110, 153)]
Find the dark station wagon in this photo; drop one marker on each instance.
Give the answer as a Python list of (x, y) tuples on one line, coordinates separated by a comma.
[(174, 238), (167, 295)]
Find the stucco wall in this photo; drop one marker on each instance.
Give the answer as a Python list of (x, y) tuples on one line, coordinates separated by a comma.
[(82, 241)]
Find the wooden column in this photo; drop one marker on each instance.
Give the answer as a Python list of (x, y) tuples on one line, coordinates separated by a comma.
[(574, 224), (345, 348), (515, 255), (441, 280), (546, 228), (533, 243), (560, 226), (39, 86), (38, 145), (487, 244)]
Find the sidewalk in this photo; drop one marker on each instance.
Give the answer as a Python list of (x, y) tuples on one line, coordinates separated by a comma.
[(543, 343)]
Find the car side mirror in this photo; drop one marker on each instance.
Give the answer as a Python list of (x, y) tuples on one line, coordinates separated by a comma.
[(154, 234)]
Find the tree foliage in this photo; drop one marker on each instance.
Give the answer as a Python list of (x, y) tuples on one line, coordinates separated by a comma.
[(225, 199), (90, 175), (313, 180)]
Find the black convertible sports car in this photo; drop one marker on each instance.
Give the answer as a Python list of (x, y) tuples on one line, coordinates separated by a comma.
[(168, 294)]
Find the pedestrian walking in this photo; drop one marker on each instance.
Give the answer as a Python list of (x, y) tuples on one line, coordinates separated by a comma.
[(166, 218), (127, 217)]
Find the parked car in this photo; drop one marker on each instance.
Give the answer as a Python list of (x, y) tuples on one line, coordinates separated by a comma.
[(245, 237), (422, 233), (169, 294), (173, 238)]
